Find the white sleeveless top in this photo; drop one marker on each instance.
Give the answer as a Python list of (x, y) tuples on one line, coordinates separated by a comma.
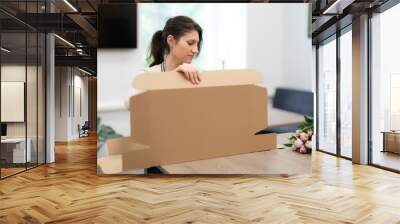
[(154, 68), (157, 68)]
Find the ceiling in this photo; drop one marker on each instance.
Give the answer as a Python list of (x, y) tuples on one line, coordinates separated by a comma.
[(75, 21), (332, 15)]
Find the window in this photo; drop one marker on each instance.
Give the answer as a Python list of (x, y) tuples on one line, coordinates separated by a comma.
[(394, 102), (385, 88), (346, 94), (327, 97)]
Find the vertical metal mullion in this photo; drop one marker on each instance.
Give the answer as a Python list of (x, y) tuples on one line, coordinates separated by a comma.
[(317, 96), (26, 86), (37, 90), (338, 95), (45, 87), (73, 92), (69, 93), (45, 92), (60, 91), (369, 80)]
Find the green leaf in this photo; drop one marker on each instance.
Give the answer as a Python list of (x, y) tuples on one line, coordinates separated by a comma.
[(310, 127), (293, 138), (288, 145), (106, 132), (307, 128)]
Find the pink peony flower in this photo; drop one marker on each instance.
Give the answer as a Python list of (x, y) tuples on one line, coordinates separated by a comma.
[(303, 137), (308, 145), (310, 134), (298, 133), (294, 148), (302, 149), (298, 143)]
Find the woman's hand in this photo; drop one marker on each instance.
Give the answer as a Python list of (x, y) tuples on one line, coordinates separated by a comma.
[(190, 73)]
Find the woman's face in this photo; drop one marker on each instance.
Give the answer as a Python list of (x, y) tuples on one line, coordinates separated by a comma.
[(185, 48)]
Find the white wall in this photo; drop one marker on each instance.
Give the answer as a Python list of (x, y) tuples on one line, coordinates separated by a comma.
[(81, 108), (115, 72), (61, 103), (224, 36), (66, 121), (279, 45)]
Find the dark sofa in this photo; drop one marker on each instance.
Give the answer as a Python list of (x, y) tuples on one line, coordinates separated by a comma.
[(293, 100)]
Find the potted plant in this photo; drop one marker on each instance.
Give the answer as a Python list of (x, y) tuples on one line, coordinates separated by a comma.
[(105, 132)]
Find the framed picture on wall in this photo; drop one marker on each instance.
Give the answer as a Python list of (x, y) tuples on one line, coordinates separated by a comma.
[(12, 101)]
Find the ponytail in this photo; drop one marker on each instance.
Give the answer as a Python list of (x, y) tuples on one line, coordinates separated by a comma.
[(176, 26), (157, 49)]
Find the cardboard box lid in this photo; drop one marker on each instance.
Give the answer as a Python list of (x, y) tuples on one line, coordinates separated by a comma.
[(175, 80)]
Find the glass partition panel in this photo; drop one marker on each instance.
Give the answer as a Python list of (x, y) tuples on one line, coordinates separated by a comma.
[(327, 97), (31, 98), (41, 78), (346, 94), (22, 62), (14, 153), (385, 84)]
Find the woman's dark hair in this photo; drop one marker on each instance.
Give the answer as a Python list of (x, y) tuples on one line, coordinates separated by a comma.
[(177, 27)]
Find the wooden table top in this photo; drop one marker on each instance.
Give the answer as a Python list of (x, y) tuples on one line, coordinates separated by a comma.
[(276, 161)]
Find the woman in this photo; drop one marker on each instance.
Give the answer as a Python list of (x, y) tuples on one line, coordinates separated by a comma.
[(173, 48)]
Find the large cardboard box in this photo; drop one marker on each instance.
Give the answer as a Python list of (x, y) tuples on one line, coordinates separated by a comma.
[(174, 121)]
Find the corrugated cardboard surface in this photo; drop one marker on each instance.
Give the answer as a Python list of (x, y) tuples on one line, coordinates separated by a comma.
[(186, 124), (173, 80), (190, 116)]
